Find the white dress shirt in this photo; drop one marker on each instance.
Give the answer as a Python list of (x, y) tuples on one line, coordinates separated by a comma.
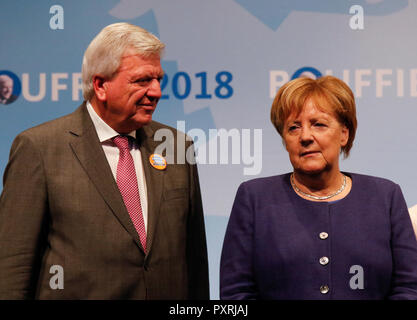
[(105, 134)]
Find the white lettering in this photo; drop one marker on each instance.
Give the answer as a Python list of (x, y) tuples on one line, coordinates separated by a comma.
[(277, 78), (359, 83), (356, 282), (256, 159), (380, 82), (76, 86), (201, 153), (197, 311), (238, 153), (57, 20), (56, 86), (57, 280), (25, 88), (356, 22), (166, 148), (224, 135), (400, 83)]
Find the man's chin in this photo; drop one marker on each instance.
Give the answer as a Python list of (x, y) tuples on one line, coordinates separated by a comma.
[(142, 121), (145, 119), (133, 125)]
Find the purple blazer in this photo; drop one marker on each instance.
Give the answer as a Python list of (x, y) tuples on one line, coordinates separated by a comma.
[(281, 246)]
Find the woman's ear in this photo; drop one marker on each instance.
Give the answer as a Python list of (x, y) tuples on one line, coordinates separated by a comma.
[(344, 137)]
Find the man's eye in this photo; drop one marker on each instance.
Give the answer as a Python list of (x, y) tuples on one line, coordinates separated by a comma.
[(143, 80)]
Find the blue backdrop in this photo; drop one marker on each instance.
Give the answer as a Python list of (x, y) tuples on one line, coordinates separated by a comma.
[(224, 61)]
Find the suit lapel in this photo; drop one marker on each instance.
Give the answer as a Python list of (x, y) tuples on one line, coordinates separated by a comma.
[(88, 150), (154, 181)]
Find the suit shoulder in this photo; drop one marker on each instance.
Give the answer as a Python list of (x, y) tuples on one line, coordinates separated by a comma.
[(368, 179), (155, 126), (49, 128), (266, 184), (372, 182)]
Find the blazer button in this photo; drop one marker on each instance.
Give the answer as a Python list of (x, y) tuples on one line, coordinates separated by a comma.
[(323, 235), (324, 261), (324, 289)]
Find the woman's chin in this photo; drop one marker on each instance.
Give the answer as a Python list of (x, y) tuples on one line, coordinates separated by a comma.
[(310, 170)]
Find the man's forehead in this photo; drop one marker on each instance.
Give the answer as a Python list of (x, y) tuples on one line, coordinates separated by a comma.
[(133, 52), (141, 65), (140, 56)]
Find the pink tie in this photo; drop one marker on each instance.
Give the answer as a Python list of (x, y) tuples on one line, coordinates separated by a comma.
[(128, 186)]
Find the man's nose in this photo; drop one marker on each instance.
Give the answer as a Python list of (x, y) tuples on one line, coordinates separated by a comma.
[(154, 89)]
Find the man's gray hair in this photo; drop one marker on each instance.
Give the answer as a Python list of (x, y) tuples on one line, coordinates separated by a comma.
[(104, 53)]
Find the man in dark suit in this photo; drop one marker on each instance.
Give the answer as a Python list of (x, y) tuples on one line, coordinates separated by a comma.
[(87, 210)]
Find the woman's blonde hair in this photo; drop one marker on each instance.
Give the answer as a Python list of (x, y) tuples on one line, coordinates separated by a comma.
[(329, 94)]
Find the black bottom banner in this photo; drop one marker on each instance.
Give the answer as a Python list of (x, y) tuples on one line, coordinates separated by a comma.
[(212, 310)]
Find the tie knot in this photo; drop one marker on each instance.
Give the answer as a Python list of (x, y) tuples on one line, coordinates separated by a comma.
[(122, 142)]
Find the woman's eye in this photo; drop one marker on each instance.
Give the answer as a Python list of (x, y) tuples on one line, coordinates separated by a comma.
[(292, 128)]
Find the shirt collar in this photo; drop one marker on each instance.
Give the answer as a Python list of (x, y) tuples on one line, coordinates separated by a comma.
[(104, 131)]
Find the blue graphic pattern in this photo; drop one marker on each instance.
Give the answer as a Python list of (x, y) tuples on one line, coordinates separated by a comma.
[(272, 12)]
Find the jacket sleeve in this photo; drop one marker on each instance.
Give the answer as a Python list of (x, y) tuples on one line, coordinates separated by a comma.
[(23, 207), (237, 281), (404, 250), (197, 261)]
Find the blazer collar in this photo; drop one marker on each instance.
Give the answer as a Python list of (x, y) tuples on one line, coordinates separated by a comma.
[(88, 150), (154, 179)]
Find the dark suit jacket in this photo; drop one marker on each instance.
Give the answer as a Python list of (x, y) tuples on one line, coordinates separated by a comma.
[(272, 247), (61, 206)]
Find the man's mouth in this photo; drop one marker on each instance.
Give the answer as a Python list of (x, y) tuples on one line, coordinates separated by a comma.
[(145, 106)]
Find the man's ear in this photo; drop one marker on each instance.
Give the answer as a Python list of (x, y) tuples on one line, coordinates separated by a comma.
[(99, 85)]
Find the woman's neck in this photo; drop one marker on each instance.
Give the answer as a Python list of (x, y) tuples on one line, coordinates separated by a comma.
[(321, 184)]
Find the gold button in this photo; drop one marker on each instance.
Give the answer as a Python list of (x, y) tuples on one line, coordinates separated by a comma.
[(324, 261), (324, 289), (323, 235)]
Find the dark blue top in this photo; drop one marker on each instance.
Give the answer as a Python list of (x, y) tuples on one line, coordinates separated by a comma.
[(272, 247)]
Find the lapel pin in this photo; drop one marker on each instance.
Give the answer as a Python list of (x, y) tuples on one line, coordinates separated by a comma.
[(157, 161)]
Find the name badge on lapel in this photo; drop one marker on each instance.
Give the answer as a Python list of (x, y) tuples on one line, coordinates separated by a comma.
[(157, 161)]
